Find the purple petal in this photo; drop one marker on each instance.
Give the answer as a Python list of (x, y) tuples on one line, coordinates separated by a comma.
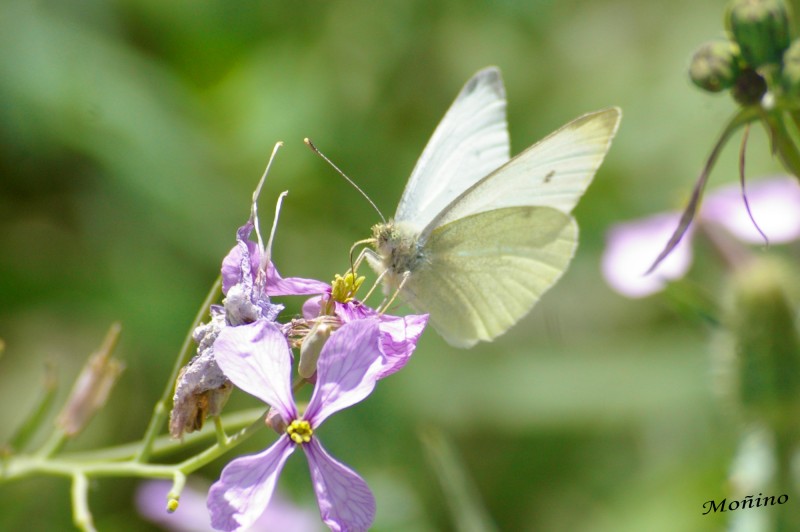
[(257, 358), (246, 485), (398, 339), (775, 204), (192, 514), (292, 286), (312, 307), (631, 248), (348, 366), (345, 501), (354, 310), (241, 263)]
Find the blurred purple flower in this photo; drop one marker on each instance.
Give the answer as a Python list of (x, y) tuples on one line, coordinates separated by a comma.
[(632, 246), (192, 514), (257, 358), (775, 204)]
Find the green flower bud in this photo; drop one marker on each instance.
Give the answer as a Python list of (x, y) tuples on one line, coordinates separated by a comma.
[(749, 88), (761, 27), (790, 75), (766, 343), (715, 65)]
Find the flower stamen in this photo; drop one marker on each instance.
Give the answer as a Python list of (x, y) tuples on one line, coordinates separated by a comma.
[(343, 289), (300, 431)]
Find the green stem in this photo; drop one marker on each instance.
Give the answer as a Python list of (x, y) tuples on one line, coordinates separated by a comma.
[(38, 414), (53, 444), (782, 141), (23, 466), (161, 409), (212, 453), (744, 116), (298, 384), (165, 445), (785, 450), (220, 430), (81, 514)]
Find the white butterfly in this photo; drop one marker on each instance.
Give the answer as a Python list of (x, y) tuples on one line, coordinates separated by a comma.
[(478, 237)]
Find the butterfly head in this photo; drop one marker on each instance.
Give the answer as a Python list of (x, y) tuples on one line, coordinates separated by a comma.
[(398, 245)]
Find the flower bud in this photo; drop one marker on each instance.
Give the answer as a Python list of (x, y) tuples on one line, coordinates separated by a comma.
[(275, 421), (311, 348), (766, 343), (761, 27), (715, 65), (790, 75), (750, 88), (91, 389)]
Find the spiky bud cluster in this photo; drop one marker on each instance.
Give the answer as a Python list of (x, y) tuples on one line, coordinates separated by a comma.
[(758, 56)]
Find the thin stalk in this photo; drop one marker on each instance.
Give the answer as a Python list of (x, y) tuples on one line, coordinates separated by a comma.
[(38, 413), (744, 116), (783, 142), (212, 453), (161, 409), (165, 445), (81, 514), (53, 444)]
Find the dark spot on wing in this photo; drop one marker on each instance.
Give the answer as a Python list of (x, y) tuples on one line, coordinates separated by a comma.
[(549, 176)]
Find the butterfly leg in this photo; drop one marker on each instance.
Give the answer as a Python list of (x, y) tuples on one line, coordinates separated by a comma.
[(384, 307)]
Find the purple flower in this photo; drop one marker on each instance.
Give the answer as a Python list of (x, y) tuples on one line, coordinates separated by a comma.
[(248, 279), (192, 514), (248, 265), (398, 334), (631, 247), (257, 358)]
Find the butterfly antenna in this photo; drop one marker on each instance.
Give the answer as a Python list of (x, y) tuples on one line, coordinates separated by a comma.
[(314, 148)]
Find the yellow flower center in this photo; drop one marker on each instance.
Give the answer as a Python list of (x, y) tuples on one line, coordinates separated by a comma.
[(300, 431), (343, 289)]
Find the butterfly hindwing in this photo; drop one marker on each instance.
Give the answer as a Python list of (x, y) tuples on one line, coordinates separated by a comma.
[(482, 273)]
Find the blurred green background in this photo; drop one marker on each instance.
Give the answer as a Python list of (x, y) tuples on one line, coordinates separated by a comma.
[(132, 133)]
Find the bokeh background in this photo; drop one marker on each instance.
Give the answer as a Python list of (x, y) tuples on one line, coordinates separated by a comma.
[(132, 133)]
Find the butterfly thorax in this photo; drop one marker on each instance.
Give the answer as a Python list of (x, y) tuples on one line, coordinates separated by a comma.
[(398, 245)]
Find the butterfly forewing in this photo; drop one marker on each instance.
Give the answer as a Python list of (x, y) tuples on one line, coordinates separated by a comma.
[(470, 142), (554, 172)]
